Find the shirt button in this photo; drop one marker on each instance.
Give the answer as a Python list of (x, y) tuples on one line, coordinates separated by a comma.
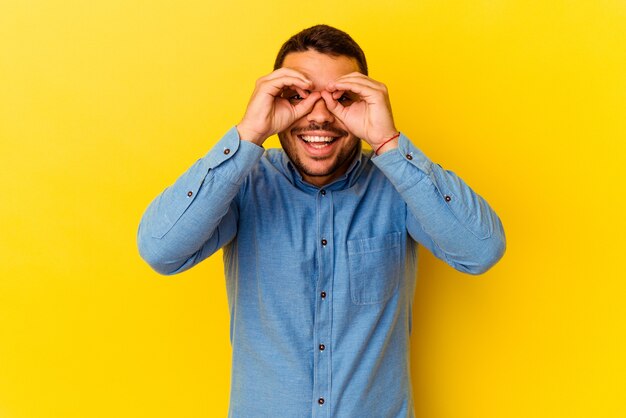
[(189, 193), (448, 198), (226, 151), (409, 157), (323, 295), (322, 347), (324, 242), (320, 401), (323, 192)]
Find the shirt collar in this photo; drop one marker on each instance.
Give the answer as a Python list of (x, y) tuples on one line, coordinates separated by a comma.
[(345, 181)]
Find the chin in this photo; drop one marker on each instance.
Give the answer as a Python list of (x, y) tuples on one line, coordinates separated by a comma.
[(323, 168)]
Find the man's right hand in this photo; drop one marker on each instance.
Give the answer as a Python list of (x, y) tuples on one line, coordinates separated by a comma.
[(279, 99)]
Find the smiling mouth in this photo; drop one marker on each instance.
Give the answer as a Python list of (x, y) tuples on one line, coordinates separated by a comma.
[(318, 141)]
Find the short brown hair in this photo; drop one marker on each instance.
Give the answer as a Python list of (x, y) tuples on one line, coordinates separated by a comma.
[(325, 40)]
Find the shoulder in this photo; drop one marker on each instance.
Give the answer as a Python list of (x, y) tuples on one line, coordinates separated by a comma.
[(271, 167)]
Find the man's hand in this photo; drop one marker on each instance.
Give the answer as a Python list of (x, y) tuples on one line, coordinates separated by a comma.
[(362, 104), (269, 112)]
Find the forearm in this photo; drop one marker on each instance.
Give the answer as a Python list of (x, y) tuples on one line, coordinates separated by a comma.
[(445, 214), (196, 215)]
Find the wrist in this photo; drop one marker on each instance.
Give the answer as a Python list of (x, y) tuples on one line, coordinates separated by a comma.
[(249, 135), (390, 142)]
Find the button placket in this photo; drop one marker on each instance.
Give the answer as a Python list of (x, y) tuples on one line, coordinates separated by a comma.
[(323, 305)]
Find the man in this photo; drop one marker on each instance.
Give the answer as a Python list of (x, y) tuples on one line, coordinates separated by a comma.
[(320, 238)]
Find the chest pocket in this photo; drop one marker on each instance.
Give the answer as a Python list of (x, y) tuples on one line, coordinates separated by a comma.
[(375, 266)]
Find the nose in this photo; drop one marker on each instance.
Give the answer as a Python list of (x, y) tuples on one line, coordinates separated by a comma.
[(320, 113)]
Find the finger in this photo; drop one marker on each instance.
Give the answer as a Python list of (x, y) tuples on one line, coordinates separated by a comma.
[(355, 74), (275, 86), (354, 81), (332, 104), (358, 77), (337, 94), (290, 72), (352, 85), (303, 93), (306, 105), (364, 91)]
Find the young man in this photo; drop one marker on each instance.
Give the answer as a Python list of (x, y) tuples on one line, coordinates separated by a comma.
[(320, 238)]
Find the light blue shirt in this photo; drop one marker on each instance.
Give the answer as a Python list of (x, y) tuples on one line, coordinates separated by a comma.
[(320, 281)]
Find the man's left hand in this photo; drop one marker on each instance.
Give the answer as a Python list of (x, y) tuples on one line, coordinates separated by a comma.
[(363, 105)]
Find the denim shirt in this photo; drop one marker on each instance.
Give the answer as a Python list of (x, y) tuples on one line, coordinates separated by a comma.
[(320, 281)]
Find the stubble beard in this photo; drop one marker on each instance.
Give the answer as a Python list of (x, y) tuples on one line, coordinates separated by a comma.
[(345, 154)]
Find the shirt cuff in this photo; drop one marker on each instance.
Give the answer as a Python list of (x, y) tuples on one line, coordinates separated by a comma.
[(233, 158), (399, 164)]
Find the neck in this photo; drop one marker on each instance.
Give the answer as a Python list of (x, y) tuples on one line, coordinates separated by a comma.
[(321, 181)]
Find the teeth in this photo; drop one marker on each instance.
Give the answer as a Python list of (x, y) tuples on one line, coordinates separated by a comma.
[(309, 138)]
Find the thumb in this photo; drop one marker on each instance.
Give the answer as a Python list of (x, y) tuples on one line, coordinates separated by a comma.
[(333, 105), (306, 105)]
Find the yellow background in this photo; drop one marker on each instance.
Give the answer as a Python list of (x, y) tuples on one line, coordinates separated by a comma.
[(103, 104)]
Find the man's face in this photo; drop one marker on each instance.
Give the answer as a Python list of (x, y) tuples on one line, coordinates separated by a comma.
[(318, 144)]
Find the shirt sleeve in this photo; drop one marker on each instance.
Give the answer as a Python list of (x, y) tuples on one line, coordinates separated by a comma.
[(197, 215), (444, 214)]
